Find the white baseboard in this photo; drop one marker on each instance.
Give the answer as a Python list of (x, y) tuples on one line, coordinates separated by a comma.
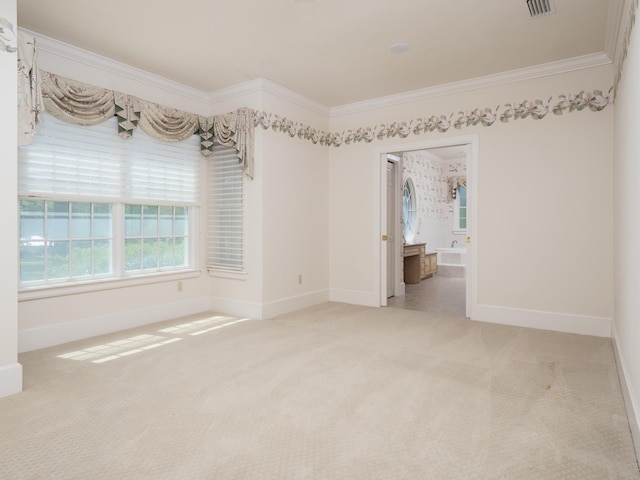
[(559, 322), (630, 401), (263, 311), (10, 379), (354, 297), (286, 305), (50, 335), (237, 308)]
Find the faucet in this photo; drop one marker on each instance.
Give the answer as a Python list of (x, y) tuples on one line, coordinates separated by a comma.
[(453, 244)]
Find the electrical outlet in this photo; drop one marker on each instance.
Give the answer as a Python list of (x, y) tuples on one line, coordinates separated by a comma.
[(299, 279), (180, 285)]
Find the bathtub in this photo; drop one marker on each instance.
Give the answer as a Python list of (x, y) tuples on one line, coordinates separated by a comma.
[(452, 262)]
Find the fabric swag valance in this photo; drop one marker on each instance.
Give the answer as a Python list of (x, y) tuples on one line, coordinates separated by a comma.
[(83, 104), (454, 184)]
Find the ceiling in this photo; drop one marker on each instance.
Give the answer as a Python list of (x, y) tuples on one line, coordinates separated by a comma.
[(335, 52)]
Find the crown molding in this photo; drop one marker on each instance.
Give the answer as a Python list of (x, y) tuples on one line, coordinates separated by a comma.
[(65, 50), (511, 76), (267, 86), (73, 53), (294, 97), (614, 27), (262, 85)]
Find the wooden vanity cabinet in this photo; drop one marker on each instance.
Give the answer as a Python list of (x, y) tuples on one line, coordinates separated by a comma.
[(418, 264)]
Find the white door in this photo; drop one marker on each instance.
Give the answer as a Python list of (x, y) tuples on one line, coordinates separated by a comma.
[(391, 228)]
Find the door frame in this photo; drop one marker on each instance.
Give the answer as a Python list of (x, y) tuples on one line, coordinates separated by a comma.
[(396, 233), (380, 213)]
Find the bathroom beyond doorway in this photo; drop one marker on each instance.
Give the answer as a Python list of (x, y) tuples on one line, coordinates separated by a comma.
[(438, 295)]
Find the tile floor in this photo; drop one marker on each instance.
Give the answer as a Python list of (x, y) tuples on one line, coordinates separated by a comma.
[(438, 294)]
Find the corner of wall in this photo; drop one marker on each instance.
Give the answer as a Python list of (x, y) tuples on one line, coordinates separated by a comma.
[(630, 401), (10, 379), (354, 297), (10, 370), (291, 304), (264, 311)]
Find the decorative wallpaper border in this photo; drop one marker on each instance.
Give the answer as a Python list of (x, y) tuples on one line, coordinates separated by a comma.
[(625, 42), (536, 109)]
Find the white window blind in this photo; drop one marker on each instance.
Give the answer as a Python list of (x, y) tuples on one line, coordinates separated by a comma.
[(90, 162), (225, 249)]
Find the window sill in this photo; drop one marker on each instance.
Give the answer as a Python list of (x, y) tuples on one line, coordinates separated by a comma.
[(50, 291), (242, 276)]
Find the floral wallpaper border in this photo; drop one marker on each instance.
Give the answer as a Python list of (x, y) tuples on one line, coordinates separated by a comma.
[(625, 43), (536, 109)]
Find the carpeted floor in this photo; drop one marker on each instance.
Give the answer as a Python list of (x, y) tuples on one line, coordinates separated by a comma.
[(330, 392)]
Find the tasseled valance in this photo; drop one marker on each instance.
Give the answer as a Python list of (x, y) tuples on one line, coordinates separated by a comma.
[(83, 104), (455, 183)]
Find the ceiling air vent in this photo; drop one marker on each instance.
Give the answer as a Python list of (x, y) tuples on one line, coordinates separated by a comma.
[(539, 8)]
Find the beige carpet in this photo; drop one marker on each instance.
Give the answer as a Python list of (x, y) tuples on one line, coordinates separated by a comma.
[(330, 392)]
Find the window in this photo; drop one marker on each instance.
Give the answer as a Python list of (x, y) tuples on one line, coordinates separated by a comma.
[(225, 250), (409, 210), (94, 206), (61, 240), (460, 210), (155, 237)]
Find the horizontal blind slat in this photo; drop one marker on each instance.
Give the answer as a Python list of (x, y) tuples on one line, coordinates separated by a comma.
[(225, 248), (73, 160)]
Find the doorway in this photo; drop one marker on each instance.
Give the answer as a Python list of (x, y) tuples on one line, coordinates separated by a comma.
[(391, 220), (450, 166)]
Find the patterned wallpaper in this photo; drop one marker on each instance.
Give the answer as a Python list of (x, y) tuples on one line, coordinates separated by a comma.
[(434, 210), (538, 109)]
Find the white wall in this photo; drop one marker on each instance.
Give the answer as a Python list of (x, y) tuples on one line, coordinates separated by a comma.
[(541, 184), (627, 229), (286, 210), (10, 369), (287, 224), (296, 213)]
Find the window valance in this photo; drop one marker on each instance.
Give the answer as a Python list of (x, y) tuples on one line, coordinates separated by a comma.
[(76, 102), (83, 104), (455, 183)]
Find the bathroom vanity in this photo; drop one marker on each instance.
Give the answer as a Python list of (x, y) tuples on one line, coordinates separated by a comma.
[(418, 263)]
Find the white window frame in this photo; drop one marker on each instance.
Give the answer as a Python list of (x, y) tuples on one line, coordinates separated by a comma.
[(49, 241), (456, 213), (132, 153), (157, 236)]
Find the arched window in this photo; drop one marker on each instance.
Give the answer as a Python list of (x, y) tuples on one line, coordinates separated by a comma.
[(408, 211)]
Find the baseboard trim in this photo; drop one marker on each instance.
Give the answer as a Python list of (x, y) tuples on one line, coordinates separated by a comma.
[(10, 379), (354, 297), (290, 304), (263, 311), (50, 335), (630, 401), (559, 322), (237, 308)]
